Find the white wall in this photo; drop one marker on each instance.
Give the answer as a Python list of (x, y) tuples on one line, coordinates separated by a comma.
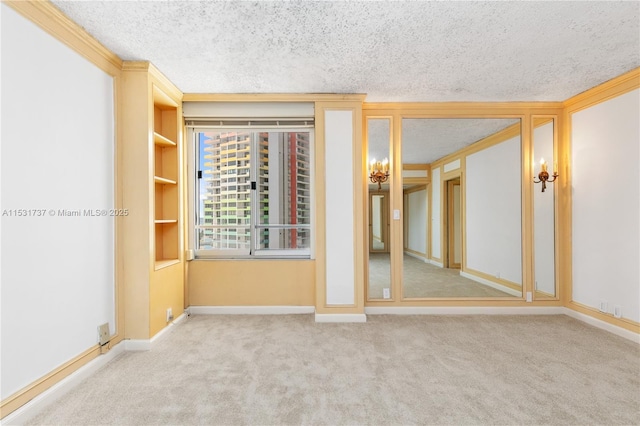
[(543, 213), (339, 206), (57, 153), (436, 251), (606, 207), (493, 211), (417, 232)]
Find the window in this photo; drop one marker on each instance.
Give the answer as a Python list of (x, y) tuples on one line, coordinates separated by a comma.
[(253, 192)]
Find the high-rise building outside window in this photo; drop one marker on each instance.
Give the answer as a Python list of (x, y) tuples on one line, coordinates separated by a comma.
[(253, 192)]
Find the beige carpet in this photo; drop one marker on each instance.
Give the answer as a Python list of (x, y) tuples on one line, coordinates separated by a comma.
[(392, 370), (422, 279)]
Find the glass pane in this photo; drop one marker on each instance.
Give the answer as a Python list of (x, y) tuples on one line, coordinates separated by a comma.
[(224, 190), (284, 239), (379, 285), (284, 189), (462, 219), (224, 238), (284, 178)]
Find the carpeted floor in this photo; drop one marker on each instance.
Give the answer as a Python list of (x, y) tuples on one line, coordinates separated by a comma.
[(422, 279), (392, 370)]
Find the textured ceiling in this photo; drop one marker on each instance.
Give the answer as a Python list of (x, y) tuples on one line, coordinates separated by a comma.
[(425, 140), (391, 51)]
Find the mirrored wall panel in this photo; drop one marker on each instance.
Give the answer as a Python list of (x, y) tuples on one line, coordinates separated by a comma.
[(379, 136), (544, 209), (462, 208)]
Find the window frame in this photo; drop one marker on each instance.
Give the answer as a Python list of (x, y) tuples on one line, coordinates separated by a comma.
[(193, 191)]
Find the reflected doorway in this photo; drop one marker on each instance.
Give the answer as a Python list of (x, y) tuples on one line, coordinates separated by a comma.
[(453, 224), (379, 222)]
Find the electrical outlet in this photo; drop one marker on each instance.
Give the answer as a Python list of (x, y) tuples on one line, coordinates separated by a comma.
[(386, 293), (103, 334), (617, 311), (169, 314), (603, 306)]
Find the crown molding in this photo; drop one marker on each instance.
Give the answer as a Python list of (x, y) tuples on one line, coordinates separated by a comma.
[(610, 89), (273, 97)]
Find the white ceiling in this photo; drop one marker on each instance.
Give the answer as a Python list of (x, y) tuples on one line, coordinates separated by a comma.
[(392, 51), (430, 51)]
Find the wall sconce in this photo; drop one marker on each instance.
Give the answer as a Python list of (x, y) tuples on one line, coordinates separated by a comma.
[(379, 172), (543, 176)]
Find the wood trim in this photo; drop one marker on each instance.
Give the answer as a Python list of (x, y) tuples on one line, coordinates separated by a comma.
[(320, 208), (273, 97), (26, 394), (501, 281), (406, 166), (417, 253), (625, 323), (603, 92), (359, 194), (491, 140), (565, 211), (397, 203), (167, 87), (451, 184), (526, 206), (422, 187), (462, 301), (458, 109), (53, 21)]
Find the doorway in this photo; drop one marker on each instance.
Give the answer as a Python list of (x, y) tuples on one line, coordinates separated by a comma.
[(453, 227), (379, 222)]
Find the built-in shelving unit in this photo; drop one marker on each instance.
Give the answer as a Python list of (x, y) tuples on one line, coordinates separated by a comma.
[(153, 189), (166, 167)]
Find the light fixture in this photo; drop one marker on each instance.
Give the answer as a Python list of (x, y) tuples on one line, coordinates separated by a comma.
[(543, 176), (379, 172)]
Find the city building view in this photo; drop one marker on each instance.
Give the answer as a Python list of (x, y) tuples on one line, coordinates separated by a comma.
[(254, 190)]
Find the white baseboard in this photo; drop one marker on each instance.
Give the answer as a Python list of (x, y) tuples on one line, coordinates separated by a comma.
[(436, 263), (250, 310), (146, 344), (341, 317), (32, 408), (619, 331), (491, 284), (464, 310), (417, 256), (137, 345)]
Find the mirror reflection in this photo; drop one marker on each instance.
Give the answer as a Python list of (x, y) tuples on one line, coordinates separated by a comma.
[(544, 211), (462, 208), (379, 285)]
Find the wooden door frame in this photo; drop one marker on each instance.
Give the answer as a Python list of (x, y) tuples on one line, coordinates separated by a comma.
[(384, 219), (449, 254)]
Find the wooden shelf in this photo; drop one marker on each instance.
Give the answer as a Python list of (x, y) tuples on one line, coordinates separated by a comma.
[(163, 263), (160, 140), (161, 221), (164, 181)]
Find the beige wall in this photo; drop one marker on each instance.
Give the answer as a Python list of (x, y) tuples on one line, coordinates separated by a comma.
[(252, 282)]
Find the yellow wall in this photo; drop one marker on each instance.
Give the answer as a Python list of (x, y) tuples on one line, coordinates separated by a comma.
[(252, 282), (165, 292)]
